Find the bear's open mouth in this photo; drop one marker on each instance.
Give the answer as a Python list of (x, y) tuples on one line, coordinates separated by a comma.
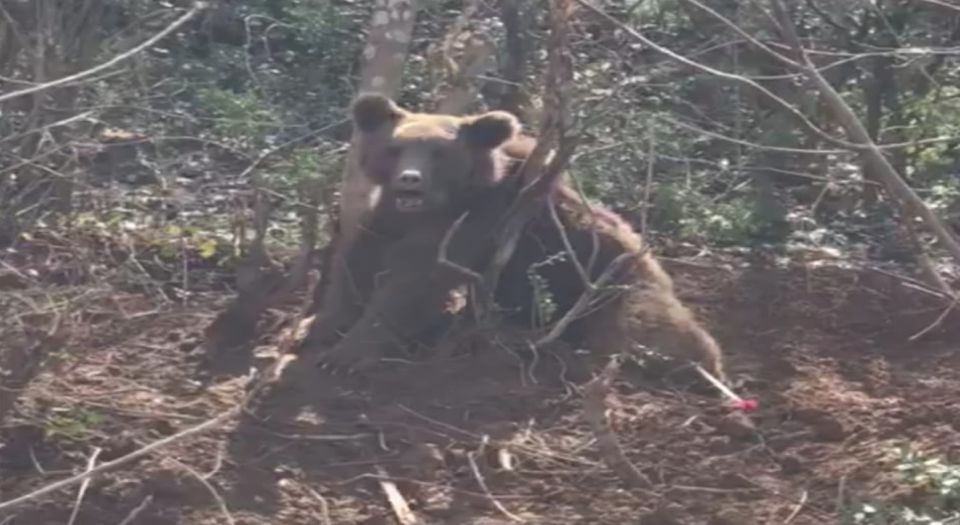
[(407, 201)]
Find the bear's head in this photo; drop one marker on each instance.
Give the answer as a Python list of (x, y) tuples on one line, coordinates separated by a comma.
[(427, 163)]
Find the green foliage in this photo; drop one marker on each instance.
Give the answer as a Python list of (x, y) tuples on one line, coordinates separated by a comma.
[(684, 213), (173, 239), (935, 484), (935, 115), (659, 12), (73, 423), (237, 117), (246, 77), (544, 307)]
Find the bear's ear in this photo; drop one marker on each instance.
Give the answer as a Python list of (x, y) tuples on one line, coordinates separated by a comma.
[(489, 130), (371, 111)]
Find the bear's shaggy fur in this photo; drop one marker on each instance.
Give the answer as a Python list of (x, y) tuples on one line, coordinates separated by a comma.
[(387, 286)]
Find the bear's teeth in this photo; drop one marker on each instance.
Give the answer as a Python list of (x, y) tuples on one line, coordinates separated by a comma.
[(409, 203)]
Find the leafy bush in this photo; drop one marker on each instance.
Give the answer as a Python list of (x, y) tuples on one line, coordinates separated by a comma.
[(936, 494)]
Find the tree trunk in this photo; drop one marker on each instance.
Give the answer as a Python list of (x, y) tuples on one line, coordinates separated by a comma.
[(391, 30)]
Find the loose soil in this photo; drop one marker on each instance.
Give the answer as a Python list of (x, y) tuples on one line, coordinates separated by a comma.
[(494, 435)]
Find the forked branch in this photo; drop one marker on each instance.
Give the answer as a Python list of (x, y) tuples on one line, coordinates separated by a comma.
[(541, 174), (911, 205)]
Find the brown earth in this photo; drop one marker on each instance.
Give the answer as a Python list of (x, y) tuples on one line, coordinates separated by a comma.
[(825, 350)]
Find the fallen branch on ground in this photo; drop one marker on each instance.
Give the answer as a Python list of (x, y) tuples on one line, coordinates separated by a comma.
[(399, 505), (483, 484), (83, 486), (221, 504), (594, 411), (137, 510), (258, 381)]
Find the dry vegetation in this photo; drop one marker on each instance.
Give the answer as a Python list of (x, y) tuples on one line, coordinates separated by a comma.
[(166, 183)]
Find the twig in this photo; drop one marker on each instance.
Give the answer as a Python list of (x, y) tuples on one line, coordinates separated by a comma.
[(907, 199), (594, 411), (796, 511), (481, 307), (651, 161), (568, 246), (210, 488), (841, 493), (483, 485), (439, 423), (442, 257), (796, 113), (942, 3), (137, 510), (458, 76), (83, 486), (587, 297), (505, 459), (399, 505), (539, 174), (324, 506), (928, 270), (724, 389), (745, 35), (936, 322), (109, 63)]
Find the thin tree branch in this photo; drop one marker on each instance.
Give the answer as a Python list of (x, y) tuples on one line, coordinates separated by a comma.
[(199, 6), (807, 123), (911, 204), (942, 3), (542, 176)]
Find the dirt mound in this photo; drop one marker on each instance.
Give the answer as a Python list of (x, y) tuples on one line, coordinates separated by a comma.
[(497, 435)]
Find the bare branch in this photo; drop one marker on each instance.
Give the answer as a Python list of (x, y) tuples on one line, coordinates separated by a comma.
[(483, 484), (911, 204), (83, 486), (942, 3), (137, 510), (594, 410), (807, 123), (199, 6), (745, 35), (456, 77), (554, 127), (593, 290), (399, 505)]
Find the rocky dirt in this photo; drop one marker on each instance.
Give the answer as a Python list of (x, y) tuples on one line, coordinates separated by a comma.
[(491, 435)]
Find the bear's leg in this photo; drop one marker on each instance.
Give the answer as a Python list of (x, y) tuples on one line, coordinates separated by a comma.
[(327, 258), (416, 295), (353, 270), (649, 313), (663, 323), (402, 309)]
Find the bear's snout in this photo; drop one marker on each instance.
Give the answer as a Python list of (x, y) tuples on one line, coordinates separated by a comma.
[(410, 180)]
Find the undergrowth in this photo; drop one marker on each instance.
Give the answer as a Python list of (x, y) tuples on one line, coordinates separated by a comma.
[(934, 498)]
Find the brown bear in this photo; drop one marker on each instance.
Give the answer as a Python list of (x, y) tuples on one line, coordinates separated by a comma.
[(388, 286)]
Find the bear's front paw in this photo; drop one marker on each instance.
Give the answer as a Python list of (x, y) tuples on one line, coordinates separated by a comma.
[(350, 358), (324, 331)]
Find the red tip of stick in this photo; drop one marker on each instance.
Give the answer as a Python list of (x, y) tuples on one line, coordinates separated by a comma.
[(747, 405)]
